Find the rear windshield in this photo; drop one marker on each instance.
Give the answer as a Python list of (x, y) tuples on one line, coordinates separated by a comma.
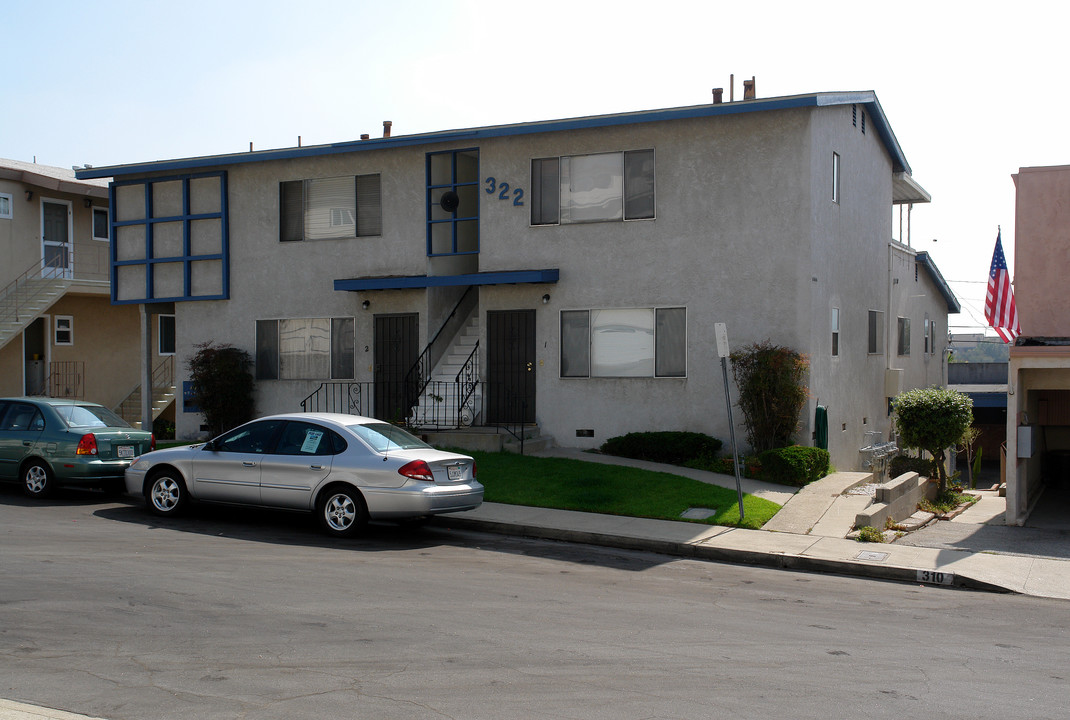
[(89, 416), (384, 437)]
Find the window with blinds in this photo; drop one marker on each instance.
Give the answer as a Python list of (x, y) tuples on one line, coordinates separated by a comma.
[(329, 208)]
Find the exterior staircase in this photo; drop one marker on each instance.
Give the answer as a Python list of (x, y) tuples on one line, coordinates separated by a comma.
[(25, 299), (438, 404), (163, 394)]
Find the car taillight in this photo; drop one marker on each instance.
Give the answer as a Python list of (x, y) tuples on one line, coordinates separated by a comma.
[(473, 469), (87, 445), (417, 470), (152, 442)]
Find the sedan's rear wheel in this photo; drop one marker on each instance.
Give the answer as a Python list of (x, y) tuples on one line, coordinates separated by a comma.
[(37, 481), (166, 494), (341, 511)]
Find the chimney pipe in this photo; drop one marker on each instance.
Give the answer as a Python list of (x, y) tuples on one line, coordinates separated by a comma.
[(732, 87), (748, 89), (718, 93), (387, 124)]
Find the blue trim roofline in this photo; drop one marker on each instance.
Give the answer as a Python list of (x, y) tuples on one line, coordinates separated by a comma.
[(923, 258), (867, 98), (414, 282)]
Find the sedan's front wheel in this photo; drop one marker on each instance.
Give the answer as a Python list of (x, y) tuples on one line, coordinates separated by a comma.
[(166, 494), (341, 511), (37, 480)]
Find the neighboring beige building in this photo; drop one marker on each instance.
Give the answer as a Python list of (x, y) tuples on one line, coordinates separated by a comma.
[(60, 334), (565, 274), (1038, 402)]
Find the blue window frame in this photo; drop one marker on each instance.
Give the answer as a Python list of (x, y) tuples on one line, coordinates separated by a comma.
[(170, 239), (453, 202)]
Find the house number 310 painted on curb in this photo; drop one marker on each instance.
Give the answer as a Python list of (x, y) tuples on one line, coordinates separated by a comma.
[(502, 188)]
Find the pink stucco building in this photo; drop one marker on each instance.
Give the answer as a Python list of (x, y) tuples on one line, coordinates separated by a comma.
[(1038, 421)]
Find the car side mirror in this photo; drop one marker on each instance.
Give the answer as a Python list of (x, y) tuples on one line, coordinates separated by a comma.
[(211, 445)]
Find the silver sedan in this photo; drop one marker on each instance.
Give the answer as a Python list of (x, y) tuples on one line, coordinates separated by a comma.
[(346, 468)]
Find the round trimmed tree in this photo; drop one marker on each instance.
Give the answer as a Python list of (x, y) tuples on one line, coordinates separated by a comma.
[(933, 419)]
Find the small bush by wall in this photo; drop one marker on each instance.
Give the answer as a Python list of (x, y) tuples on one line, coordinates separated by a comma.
[(795, 465), (674, 448)]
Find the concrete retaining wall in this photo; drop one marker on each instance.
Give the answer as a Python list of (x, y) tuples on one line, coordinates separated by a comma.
[(896, 499)]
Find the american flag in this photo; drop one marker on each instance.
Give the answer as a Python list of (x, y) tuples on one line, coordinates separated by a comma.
[(999, 303)]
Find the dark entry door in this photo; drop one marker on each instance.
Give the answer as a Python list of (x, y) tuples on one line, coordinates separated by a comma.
[(396, 349), (511, 366)]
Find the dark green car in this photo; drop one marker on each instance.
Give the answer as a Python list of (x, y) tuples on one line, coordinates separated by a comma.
[(47, 442)]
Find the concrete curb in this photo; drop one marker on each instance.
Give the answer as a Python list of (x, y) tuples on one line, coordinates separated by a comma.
[(786, 561)]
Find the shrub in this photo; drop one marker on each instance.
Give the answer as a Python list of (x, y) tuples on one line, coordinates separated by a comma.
[(933, 419), (870, 534), (674, 448), (795, 465), (903, 464), (223, 385), (772, 392), (752, 468)]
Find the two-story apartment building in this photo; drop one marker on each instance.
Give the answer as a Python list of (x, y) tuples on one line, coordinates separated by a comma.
[(60, 335), (1038, 384), (567, 273)]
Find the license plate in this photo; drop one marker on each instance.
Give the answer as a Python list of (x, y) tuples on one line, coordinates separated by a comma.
[(455, 472), (124, 451)]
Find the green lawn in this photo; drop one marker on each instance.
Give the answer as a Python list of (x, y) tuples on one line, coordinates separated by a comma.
[(612, 489)]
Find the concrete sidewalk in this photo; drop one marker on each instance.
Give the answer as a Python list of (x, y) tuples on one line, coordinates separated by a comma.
[(807, 534)]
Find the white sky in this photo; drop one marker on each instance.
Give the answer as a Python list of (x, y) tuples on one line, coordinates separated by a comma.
[(973, 90)]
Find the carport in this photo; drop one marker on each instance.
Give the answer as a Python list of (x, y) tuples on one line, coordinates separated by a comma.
[(1038, 434)]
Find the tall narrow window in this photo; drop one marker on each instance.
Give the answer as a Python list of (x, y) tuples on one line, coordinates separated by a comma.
[(166, 325), (903, 347), (835, 177), (927, 329), (876, 332), (835, 323), (545, 191), (100, 224), (5, 206)]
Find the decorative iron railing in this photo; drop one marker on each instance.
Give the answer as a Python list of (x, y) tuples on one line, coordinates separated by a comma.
[(419, 375), (449, 405)]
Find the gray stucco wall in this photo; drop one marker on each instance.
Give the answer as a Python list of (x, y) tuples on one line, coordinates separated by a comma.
[(746, 233)]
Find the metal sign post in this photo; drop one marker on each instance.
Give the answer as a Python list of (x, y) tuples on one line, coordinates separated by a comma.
[(721, 332)]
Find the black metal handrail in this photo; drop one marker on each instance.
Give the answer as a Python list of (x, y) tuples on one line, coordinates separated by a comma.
[(419, 375), (468, 378)]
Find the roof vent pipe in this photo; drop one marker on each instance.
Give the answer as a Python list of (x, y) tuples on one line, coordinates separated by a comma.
[(718, 94), (748, 89), (364, 136), (386, 128)]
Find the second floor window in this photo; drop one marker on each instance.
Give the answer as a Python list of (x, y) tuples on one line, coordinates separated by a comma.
[(592, 188), (327, 208)]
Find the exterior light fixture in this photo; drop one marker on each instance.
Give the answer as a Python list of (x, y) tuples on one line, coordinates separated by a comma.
[(366, 304), (546, 298)]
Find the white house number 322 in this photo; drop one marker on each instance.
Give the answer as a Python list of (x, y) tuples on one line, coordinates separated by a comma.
[(502, 188)]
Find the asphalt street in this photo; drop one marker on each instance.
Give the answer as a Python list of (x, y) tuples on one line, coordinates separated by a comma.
[(226, 613)]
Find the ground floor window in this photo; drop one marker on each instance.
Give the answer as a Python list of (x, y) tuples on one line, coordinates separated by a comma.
[(624, 342), (64, 330), (305, 349)]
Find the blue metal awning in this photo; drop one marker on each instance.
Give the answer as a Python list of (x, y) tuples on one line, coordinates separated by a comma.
[(415, 282)]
